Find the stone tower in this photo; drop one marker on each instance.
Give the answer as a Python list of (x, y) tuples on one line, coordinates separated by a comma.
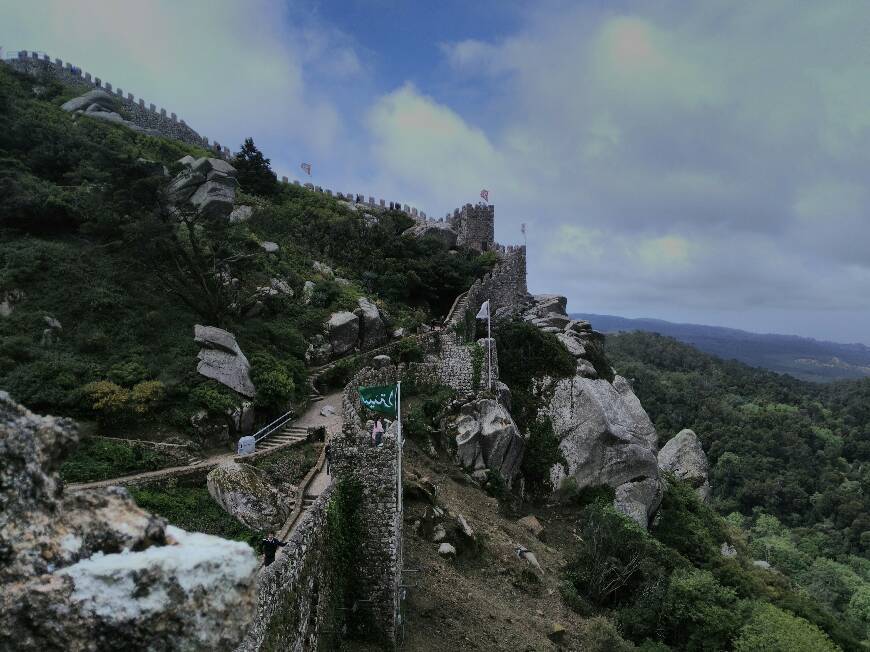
[(475, 226)]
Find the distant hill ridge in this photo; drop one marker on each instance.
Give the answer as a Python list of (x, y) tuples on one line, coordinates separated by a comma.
[(802, 357)]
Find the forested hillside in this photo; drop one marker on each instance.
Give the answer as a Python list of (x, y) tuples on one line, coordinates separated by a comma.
[(801, 357), (796, 450), (790, 477)]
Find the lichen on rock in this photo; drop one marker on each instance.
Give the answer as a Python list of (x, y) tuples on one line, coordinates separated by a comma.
[(86, 570)]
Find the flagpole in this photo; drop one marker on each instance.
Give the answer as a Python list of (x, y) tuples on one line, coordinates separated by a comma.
[(399, 442), (489, 345)]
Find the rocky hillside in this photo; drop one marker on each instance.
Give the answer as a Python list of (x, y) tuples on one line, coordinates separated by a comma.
[(159, 292)]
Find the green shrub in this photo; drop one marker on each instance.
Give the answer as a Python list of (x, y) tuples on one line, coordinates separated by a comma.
[(128, 373), (215, 398), (408, 350), (599, 634), (145, 397), (615, 558), (541, 453), (698, 613), (774, 630), (273, 380), (687, 525), (338, 375), (524, 354), (576, 602)]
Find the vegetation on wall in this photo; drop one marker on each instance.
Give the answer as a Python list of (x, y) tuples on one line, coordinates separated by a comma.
[(348, 615)]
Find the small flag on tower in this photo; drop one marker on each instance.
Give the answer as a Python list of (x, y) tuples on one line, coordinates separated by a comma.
[(523, 228), (307, 168), (484, 194)]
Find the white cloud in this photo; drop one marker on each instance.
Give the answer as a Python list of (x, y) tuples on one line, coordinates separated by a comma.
[(717, 152)]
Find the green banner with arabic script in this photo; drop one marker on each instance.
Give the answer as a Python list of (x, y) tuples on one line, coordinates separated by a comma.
[(380, 399)]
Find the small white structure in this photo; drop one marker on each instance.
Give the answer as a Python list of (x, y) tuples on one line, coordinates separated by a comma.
[(247, 445)]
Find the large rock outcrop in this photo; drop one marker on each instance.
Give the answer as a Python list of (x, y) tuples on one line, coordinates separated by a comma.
[(244, 492), (441, 231), (373, 330), (343, 328), (206, 186), (365, 328), (88, 570), (684, 456), (604, 433), (222, 360), (100, 105), (488, 438)]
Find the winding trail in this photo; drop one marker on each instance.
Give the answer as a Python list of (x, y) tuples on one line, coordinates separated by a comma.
[(311, 417)]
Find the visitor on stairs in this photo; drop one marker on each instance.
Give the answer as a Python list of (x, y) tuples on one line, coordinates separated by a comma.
[(328, 455), (270, 546)]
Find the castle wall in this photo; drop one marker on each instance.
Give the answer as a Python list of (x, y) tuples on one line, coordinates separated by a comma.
[(504, 286), (138, 112), (293, 592), (378, 471)]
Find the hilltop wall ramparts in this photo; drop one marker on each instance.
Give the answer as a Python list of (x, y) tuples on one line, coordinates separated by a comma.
[(138, 112)]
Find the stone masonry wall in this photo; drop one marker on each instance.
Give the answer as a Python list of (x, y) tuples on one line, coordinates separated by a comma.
[(505, 287), (378, 472), (455, 367), (138, 112), (292, 593)]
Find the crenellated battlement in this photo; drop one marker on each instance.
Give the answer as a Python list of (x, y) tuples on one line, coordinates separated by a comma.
[(360, 199), (142, 114)]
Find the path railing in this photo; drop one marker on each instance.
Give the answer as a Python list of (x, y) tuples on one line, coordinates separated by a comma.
[(268, 429)]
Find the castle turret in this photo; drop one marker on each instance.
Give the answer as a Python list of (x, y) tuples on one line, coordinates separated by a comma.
[(475, 226)]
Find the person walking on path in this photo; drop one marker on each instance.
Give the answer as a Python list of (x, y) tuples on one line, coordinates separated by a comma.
[(270, 547), (328, 455)]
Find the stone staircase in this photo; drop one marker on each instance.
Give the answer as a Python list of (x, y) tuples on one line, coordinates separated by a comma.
[(457, 310), (287, 435)]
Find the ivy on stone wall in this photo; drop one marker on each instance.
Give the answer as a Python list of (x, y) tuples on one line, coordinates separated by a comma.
[(477, 357), (348, 617)]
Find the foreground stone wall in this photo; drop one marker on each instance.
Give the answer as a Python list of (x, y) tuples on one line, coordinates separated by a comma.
[(378, 470), (293, 593), (138, 112)]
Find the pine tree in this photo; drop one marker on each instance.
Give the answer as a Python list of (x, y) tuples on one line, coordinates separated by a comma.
[(254, 172)]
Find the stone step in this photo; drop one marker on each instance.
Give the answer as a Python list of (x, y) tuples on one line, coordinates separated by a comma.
[(194, 462)]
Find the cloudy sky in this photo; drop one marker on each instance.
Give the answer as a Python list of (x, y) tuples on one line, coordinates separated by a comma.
[(704, 161)]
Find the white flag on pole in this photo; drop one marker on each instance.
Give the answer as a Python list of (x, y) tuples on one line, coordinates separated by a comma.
[(483, 313)]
